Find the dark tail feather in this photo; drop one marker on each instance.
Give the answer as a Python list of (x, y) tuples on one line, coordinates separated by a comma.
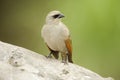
[(70, 58)]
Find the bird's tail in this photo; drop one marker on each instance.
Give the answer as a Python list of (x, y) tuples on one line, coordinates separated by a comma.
[(70, 58)]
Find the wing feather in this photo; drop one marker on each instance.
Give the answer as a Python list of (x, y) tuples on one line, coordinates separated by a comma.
[(68, 43)]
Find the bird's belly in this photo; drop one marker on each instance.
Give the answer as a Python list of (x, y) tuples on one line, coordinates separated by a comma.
[(55, 41)]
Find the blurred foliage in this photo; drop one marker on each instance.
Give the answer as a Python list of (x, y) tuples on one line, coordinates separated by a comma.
[(94, 26)]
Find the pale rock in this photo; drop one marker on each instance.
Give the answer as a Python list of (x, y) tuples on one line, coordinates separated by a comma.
[(17, 63)]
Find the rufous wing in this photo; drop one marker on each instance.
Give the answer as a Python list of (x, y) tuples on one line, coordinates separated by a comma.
[(68, 44)]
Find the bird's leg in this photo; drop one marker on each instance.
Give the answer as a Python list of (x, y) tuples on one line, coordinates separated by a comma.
[(55, 53), (49, 56), (64, 58)]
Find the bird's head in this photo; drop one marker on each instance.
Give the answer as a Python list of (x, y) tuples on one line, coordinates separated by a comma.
[(54, 17)]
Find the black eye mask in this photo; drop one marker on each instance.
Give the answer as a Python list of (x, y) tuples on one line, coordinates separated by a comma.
[(56, 16)]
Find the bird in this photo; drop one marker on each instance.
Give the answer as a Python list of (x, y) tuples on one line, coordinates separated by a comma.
[(56, 36)]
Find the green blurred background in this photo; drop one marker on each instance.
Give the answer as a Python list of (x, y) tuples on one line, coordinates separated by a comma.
[(94, 26)]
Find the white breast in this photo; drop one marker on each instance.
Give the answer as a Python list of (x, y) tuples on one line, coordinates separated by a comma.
[(55, 35)]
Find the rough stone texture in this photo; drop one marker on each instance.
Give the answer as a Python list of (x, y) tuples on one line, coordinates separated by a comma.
[(17, 63)]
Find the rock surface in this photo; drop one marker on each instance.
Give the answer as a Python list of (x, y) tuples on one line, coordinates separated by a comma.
[(17, 63)]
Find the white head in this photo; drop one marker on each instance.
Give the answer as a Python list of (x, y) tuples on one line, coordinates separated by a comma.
[(54, 17)]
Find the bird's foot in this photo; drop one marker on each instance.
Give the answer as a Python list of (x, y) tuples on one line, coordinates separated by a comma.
[(48, 56), (65, 62)]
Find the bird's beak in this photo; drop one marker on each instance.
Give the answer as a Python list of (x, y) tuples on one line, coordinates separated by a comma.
[(61, 16)]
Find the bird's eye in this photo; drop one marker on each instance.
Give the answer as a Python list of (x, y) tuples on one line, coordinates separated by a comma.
[(56, 16)]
